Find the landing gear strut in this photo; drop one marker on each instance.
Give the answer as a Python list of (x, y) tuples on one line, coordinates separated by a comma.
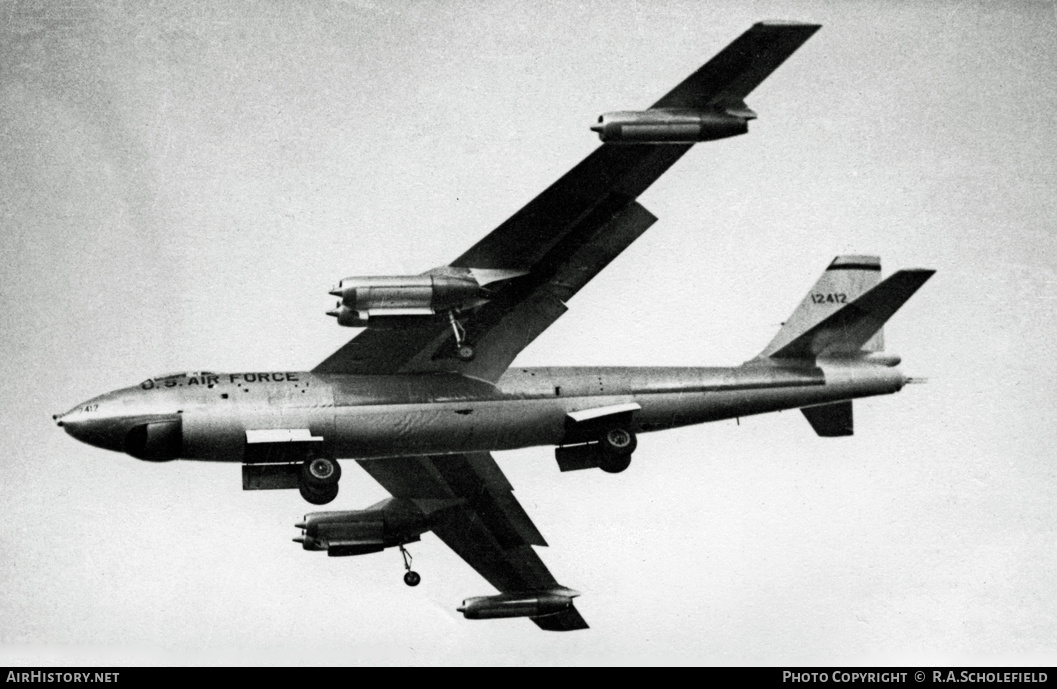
[(410, 578), (462, 350)]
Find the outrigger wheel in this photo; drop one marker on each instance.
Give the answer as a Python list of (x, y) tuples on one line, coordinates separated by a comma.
[(462, 350), (466, 352), (410, 578)]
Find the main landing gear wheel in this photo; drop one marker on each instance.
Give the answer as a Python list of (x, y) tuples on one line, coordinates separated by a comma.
[(619, 441), (615, 448), (320, 471), (318, 496), (318, 482), (615, 464), (410, 578), (466, 352)]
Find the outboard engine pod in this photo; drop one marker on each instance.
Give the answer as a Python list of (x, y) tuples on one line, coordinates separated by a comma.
[(672, 126), (158, 441), (528, 604)]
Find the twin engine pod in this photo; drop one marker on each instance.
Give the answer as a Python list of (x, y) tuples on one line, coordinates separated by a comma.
[(673, 126), (437, 291), (388, 524)]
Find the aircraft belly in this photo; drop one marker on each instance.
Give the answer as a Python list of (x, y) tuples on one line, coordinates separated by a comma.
[(381, 431), (669, 410), (221, 436), (530, 411)]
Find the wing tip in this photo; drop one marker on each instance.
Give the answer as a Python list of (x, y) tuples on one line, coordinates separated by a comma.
[(788, 23), (568, 620)]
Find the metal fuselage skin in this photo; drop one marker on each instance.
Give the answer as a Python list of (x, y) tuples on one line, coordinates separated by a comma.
[(365, 417)]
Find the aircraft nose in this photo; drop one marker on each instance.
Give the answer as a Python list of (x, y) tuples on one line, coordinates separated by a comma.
[(87, 424), (73, 422), (109, 436)]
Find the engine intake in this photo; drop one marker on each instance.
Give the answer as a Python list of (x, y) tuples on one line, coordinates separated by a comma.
[(159, 441)]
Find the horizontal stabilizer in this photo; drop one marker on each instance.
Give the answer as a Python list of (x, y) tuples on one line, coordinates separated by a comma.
[(831, 420), (849, 328)]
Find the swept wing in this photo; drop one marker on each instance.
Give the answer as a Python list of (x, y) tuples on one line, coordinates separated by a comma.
[(556, 243), (489, 528), (566, 235)]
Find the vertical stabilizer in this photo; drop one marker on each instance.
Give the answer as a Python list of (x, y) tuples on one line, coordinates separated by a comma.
[(845, 280)]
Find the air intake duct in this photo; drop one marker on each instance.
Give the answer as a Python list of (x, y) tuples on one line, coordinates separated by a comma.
[(157, 441)]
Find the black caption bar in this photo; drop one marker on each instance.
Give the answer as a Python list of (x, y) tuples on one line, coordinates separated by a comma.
[(771, 676), (920, 676)]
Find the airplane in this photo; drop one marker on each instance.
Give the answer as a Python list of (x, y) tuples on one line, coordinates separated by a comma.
[(424, 393)]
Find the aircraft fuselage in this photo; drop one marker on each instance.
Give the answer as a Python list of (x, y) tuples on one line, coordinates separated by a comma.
[(397, 415)]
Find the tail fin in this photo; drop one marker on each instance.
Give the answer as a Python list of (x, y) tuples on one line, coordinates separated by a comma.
[(845, 311), (845, 280)]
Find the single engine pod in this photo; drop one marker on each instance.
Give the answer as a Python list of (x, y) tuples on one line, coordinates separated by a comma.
[(529, 604), (671, 126)]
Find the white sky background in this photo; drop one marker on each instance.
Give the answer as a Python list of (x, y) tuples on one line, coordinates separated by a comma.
[(183, 183)]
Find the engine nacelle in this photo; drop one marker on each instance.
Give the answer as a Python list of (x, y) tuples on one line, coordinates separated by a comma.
[(389, 523), (349, 318), (673, 126), (528, 604), (407, 295), (436, 291)]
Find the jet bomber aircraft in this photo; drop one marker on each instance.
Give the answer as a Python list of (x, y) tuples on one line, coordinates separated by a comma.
[(424, 393)]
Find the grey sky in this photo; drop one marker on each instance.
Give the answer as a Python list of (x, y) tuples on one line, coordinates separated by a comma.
[(182, 183)]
